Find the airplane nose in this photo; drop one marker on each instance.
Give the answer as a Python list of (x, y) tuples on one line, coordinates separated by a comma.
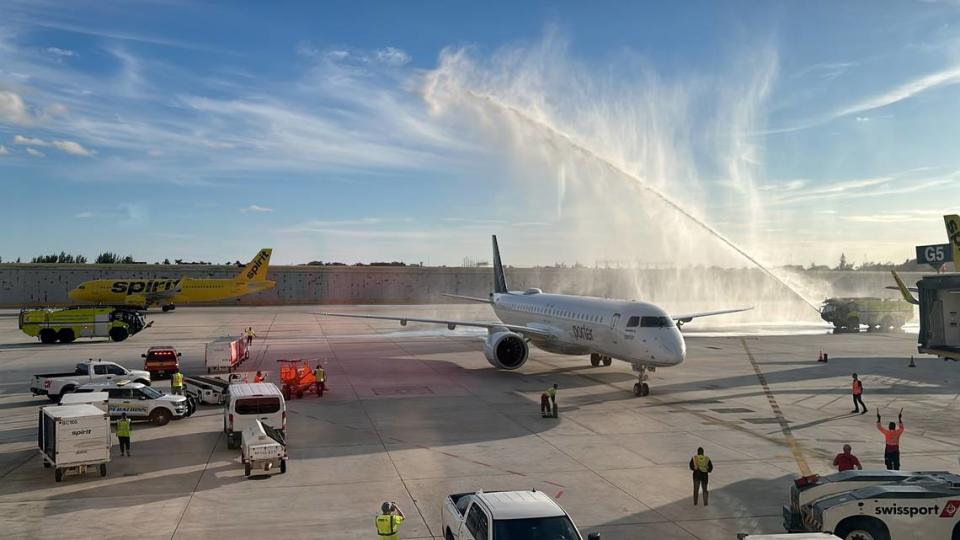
[(675, 346)]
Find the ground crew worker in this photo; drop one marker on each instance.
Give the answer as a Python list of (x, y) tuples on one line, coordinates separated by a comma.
[(258, 378), (176, 383), (891, 436), (250, 335), (858, 396), (123, 434), (846, 461), (548, 402), (389, 521), (701, 467), (321, 376)]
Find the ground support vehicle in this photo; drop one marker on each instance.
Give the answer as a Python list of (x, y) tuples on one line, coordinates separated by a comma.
[(225, 354), (100, 400), (54, 385), (297, 378), (798, 517), (140, 402), (161, 361), (209, 389), (880, 314), (263, 447), (74, 438), (506, 514), (67, 324), (896, 511), (247, 403), (939, 298)]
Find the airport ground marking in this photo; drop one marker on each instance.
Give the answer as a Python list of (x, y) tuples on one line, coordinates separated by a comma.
[(196, 486), (785, 428)]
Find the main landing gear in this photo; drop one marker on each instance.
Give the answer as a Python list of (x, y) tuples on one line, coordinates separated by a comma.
[(168, 307), (641, 389), (596, 359)]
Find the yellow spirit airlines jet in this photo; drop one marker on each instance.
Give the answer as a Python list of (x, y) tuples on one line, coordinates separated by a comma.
[(170, 292)]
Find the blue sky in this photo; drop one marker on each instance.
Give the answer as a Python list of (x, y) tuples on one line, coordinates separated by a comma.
[(380, 131)]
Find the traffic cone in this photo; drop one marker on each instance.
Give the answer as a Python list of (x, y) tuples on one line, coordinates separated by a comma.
[(912, 364), (820, 356)]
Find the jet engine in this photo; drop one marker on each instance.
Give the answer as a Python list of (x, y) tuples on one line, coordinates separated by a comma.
[(506, 350)]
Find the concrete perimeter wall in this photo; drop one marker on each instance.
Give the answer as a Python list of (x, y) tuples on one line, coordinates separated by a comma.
[(48, 284)]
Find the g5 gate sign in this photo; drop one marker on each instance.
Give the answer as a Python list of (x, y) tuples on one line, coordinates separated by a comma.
[(934, 255)]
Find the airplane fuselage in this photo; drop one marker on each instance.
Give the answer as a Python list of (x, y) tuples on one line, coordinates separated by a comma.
[(143, 292), (636, 332)]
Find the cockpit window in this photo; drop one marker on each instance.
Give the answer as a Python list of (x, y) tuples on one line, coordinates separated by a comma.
[(655, 322), (633, 321)]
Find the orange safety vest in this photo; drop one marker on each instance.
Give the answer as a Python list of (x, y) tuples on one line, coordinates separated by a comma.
[(857, 387), (891, 436)]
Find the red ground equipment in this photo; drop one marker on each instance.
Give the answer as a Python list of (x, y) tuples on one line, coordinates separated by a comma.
[(297, 378)]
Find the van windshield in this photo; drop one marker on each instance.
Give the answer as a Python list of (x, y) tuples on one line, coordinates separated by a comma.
[(259, 405), (546, 528)]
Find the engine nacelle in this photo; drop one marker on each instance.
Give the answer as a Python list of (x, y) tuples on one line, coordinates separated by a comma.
[(506, 350)]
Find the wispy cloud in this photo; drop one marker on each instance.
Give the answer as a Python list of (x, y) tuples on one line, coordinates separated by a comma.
[(69, 147), (59, 54), (84, 215), (35, 153), (256, 208), (13, 109), (3, 150), (906, 90), (904, 216)]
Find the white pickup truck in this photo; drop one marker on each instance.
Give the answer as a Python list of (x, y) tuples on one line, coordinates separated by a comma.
[(495, 515), (263, 447), (54, 385)]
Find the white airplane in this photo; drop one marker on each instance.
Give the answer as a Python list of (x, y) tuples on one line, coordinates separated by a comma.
[(636, 332)]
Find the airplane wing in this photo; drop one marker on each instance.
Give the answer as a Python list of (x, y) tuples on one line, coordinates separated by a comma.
[(685, 318), (462, 297), (523, 330)]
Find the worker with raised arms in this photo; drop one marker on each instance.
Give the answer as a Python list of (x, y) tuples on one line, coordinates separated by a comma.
[(891, 437)]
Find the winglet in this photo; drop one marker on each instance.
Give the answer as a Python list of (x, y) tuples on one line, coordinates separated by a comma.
[(953, 236), (256, 269), (499, 281), (903, 288)]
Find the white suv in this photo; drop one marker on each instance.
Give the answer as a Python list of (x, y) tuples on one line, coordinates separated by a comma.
[(139, 401)]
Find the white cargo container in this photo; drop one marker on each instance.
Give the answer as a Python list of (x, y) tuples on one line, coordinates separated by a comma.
[(74, 438), (100, 400), (225, 353), (263, 447)]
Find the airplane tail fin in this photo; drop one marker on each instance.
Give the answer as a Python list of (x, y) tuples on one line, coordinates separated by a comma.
[(499, 281), (907, 295), (256, 269), (953, 236)]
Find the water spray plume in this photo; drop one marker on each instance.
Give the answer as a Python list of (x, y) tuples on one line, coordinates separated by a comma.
[(583, 150)]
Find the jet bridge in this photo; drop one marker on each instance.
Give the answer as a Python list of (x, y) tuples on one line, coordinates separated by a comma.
[(939, 316)]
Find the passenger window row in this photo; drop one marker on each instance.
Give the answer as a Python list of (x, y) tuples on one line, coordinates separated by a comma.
[(559, 313)]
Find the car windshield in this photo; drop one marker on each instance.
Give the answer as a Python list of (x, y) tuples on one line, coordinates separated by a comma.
[(151, 392), (547, 528)]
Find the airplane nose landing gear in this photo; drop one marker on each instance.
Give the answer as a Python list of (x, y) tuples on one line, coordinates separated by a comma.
[(641, 389)]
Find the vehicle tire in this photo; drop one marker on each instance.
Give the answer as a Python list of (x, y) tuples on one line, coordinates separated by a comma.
[(54, 397), (644, 390), (165, 308), (160, 417), (860, 528), (246, 469), (68, 389), (191, 406), (103, 469), (66, 335), (46, 464), (58, 474), (118, 333), (283, 466), (48, 335), (637, 389), (607, 361), (594, 359), (231, 442), (447, 535), (286, 392)]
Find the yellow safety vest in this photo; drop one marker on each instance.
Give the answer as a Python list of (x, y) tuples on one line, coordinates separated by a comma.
[(123, 428), (551, 392), (320, 374), (701, 462), (388, 525), (176, 380)]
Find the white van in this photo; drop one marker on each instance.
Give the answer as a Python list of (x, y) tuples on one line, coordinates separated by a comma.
[(247, 403)]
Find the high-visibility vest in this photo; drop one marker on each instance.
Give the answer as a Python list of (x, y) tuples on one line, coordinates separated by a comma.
[(551, 392), (258, 378), (123, 427), (320, 374), (388, 525), (176, 380), (701, 463), (891, 436), (857, 387)]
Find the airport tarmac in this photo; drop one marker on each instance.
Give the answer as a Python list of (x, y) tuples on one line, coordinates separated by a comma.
[(416, 413)]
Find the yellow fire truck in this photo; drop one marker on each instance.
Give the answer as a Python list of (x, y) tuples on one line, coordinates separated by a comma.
[(67, 324)]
